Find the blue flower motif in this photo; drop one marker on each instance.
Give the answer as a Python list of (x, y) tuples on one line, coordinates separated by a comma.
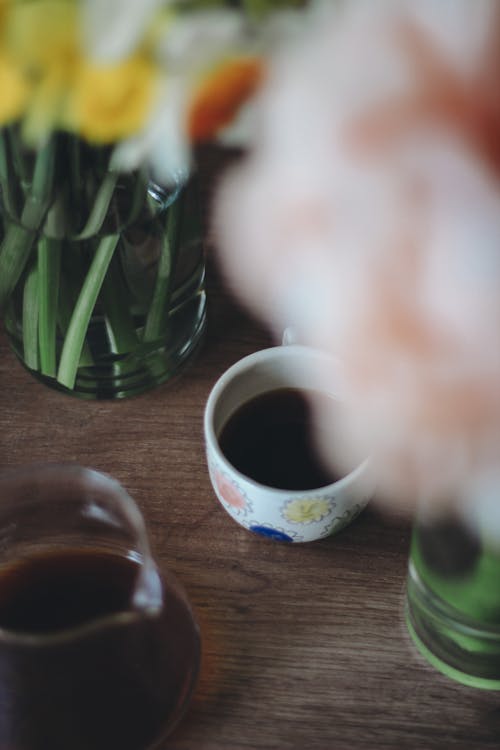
[(271, 533)]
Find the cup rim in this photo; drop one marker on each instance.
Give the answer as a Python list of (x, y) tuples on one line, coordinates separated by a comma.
[(218, 388)]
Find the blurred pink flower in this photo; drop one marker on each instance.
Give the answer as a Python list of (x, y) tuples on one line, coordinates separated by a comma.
[(367, 217)]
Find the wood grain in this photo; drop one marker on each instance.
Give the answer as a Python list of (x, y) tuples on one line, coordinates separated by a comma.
[(304, 646)]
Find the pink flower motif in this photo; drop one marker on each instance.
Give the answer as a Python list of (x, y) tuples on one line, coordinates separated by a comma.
[(229, 491)]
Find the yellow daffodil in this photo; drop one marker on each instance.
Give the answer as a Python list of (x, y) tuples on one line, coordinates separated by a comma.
[(4, 9), (44, 35), (14, 88), (110, 102), (43, 39)]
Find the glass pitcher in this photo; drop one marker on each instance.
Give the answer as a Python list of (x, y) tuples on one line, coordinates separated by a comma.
[(98, 649)]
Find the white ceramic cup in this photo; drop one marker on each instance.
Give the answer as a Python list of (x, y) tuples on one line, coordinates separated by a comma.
[(286, 515)]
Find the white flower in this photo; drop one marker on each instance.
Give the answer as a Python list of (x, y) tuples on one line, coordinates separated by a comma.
[(193, 40), (163, 143), (368, 219), (113, 28), (189, 46), (185, 47)]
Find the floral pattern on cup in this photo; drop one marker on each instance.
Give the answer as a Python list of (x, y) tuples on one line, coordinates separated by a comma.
[(339, 522), (280, 535), (230, 493), (307, 510)]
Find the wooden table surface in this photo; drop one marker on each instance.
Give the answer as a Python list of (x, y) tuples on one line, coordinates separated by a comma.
[(304, 646)]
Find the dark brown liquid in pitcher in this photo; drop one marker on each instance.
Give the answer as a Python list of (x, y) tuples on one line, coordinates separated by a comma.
[(118, 685), (270, 439)]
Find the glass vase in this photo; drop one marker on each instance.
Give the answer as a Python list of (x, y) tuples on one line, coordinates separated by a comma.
[(101, 272), (453, 598)]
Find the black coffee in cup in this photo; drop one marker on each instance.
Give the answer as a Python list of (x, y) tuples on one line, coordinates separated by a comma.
[(272, 437)]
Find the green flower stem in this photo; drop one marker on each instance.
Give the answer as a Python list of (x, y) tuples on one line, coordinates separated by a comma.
[(73, 271), (49, 260), (158, 313), (19, 238), (76, 183), (20, 165), (67, 300), (120, 326), (4, 162), (56, 221), (140, 190), (77, 329), (43, 173), (6, 181), (49, 272), (14, 254), (30, 319), (100, 207)]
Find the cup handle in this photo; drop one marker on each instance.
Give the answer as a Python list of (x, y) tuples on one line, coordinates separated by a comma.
[(289, 336)]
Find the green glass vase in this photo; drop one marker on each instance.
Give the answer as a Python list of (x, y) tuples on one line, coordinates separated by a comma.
[(101, 272), (453, 599)]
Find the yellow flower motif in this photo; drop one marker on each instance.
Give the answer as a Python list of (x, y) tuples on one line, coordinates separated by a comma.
[(306, 510), (111, 102)]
